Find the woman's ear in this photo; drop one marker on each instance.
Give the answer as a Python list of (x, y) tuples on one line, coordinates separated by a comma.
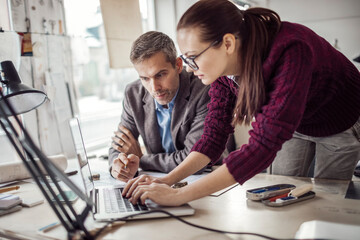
[(229, 41), (179, 65)]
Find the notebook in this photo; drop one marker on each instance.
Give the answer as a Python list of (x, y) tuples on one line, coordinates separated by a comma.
[(108, 201)]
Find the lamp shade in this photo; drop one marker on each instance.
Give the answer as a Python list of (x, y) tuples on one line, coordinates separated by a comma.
[(21, 97)]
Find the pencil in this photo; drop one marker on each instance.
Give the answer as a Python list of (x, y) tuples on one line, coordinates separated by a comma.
[(6, 189)]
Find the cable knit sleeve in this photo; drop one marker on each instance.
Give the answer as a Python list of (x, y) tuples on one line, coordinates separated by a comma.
[(217, 126), (310, 88), (288, 76)]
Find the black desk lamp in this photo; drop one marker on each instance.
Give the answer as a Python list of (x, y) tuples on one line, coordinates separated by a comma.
[(21, 97), (24, 99)]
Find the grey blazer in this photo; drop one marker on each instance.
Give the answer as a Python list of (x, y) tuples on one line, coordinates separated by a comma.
[(187, 122)]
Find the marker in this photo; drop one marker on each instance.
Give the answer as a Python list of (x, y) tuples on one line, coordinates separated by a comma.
[(273, 199), (266, 189), (284, 199), (7, 189)]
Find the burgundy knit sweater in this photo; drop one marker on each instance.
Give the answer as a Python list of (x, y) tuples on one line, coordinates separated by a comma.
[(311, 88)]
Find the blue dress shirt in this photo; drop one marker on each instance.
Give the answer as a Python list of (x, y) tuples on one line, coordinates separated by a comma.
[(163, 115)]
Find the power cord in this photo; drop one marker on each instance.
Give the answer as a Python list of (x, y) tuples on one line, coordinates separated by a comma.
[(191, 224)]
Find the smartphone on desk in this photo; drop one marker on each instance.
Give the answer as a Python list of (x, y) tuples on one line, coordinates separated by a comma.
[(70, 195)]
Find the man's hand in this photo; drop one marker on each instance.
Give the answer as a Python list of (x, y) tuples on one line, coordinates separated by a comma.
[(124, 142), (124, 167)]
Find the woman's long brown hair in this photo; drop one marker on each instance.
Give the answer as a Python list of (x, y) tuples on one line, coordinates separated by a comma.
[(256, 29)]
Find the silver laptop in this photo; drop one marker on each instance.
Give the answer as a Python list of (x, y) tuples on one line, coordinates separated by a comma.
[(108, 201)]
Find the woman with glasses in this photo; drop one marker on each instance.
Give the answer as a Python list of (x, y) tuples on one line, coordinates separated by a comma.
[(299, 93)]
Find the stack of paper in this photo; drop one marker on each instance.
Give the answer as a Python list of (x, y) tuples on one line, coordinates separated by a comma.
[(9, 203)]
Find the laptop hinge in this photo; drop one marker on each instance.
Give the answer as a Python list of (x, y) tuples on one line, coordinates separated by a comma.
[(94, 194)]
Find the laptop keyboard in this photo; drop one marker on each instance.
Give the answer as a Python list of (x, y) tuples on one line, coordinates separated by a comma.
[(115, 203)]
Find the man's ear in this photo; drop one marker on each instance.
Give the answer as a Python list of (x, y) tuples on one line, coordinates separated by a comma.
[(229, 41), (179, 65)]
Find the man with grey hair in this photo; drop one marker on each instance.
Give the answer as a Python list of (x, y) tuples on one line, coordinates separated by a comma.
[(166, 107)]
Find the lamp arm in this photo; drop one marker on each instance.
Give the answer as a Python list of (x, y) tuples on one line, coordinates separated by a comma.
[(73, 225)]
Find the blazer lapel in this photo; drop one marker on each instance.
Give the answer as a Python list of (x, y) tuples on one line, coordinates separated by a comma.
[(180, 106), (152, 137)]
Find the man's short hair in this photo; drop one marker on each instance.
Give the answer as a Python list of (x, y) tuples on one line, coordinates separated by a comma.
[(151, 43)]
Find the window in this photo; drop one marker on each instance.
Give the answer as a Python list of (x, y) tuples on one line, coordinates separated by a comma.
[(99, 89)]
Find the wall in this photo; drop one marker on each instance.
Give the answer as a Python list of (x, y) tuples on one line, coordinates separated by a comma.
[(331, 19), (49, 69), (168, 13), (4, 15)]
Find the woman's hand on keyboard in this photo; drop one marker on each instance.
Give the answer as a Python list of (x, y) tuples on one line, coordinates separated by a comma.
[(140, 180), (159, 193)]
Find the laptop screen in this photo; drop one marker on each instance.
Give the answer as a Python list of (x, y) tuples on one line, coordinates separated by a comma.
[(81, 155)]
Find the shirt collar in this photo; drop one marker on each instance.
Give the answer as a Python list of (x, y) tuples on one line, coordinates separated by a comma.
[(160, 107)]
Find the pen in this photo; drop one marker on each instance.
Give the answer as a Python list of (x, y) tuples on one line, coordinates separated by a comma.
[(125, 164), (6, 189), (49, 227)]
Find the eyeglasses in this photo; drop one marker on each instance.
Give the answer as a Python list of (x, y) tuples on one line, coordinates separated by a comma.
[(190, 61)]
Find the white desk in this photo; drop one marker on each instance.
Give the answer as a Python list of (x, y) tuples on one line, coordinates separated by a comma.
[(230, 211)]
